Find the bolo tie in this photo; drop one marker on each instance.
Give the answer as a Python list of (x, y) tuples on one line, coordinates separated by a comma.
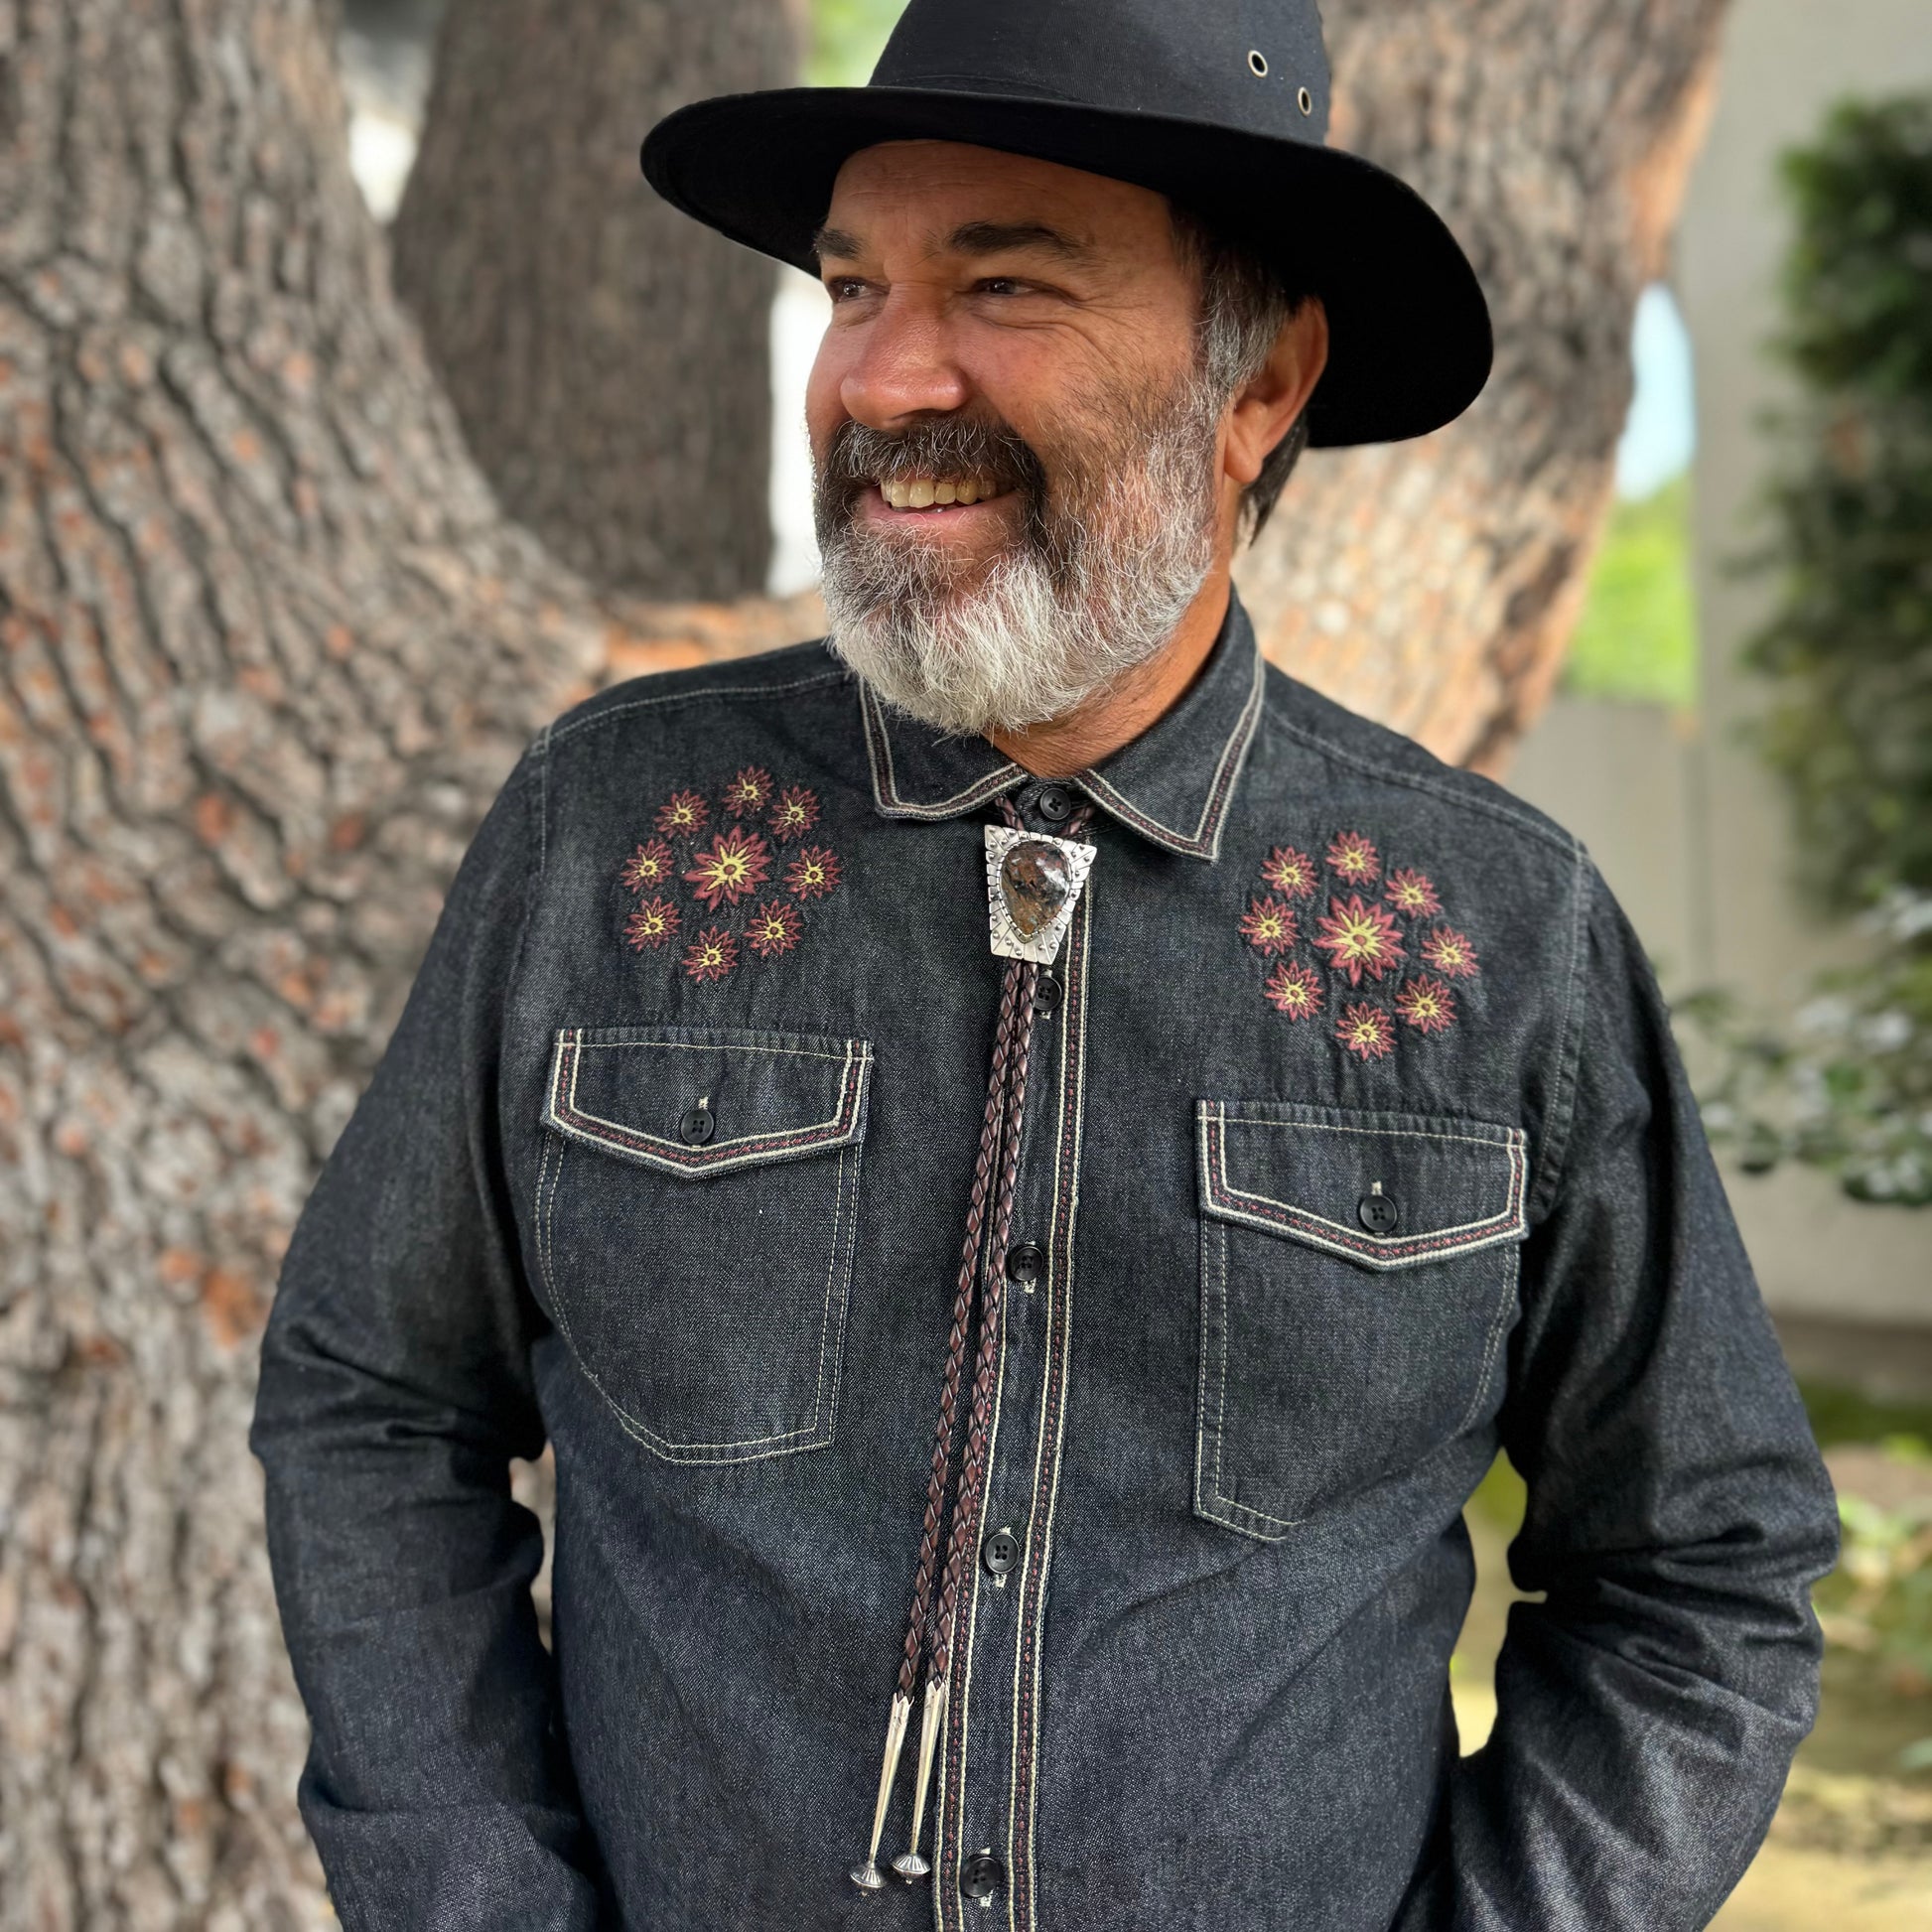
[(1033, 885)]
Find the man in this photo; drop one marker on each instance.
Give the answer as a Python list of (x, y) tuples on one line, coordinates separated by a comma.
[(1026, 1164)]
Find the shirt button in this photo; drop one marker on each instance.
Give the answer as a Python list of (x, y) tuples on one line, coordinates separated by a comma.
[(1048, 993), (1025, 1262), (1379, 1213), (1000, 1552), (698, 1126), (981, 1878), (1054, 803)]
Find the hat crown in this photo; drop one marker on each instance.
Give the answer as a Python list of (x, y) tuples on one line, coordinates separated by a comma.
[(1256, 65)]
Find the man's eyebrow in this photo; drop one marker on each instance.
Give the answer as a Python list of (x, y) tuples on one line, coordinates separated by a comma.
[(970, 238), (1002, 237), (837, 243)]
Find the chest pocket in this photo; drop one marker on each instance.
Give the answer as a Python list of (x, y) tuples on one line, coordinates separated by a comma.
[(696, 1202), (1358, 1272)]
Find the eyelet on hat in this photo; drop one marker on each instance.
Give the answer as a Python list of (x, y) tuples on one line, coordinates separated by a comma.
[(1305, 100), (1256, 63)]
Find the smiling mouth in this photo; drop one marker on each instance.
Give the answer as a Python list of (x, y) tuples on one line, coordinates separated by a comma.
[(935, 493)]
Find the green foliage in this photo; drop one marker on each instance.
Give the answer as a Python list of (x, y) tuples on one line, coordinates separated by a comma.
[(1636, 640), (1847, 655), (847, 36)]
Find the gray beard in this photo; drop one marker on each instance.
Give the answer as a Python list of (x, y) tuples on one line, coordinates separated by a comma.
[(1082, 598)]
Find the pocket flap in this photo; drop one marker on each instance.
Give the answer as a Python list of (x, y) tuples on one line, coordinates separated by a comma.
[(633, 1092), (1313, 1174)]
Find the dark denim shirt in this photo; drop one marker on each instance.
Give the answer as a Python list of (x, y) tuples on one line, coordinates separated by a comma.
[(1355, 1151)]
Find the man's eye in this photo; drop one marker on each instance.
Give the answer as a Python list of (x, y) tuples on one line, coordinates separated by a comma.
[(843, 287), (1000, 285)]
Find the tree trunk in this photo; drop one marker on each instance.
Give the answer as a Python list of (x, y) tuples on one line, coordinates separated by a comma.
[(266, 648), (608, 356), (1434, 584)]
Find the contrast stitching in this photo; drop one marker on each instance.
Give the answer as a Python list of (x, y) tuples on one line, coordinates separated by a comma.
[(1264, 1211), (1024, 1811), (884, 781), (567, 1117), (663, 1445), (1205, 840), (692, 697), (702, 1047), (1502, 1139)]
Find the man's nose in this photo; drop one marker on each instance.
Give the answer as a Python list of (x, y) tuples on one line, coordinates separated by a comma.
[(906, 366)]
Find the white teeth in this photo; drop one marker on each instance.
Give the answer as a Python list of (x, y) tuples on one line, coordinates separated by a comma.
[(943, 493), (893, 494), (921, 495), (966, 493)]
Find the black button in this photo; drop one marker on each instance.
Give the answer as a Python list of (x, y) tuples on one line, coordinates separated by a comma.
[(1379, 1213), (1048, 993), (1000, 1552), (1054, 803), (981, 1878), (698, 1126), (1025, 1262)]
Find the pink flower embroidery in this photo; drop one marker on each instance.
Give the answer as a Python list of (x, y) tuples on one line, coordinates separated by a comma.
[(795, 813), (652, 925), (1359, 939), (1290, 871), (1427, 1005), (1450, 953), (649, 866), (1268, 925), (1354, 859), (738, 864), (683, 813), (1294, 989), (773, 928), (711, 955), (813, 873), (750, 792), (1411, 892), (1366, 1032)]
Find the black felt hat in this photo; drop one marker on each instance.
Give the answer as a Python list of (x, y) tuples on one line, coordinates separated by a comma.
[(1221, 105)]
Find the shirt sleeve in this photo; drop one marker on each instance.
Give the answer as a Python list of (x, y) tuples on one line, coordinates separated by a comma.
[(395, 1388), (1648, 1707)]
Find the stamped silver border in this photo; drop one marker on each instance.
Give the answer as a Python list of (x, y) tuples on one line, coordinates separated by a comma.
[(1002, 935)]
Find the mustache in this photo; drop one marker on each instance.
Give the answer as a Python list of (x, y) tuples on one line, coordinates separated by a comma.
[(859, 455)]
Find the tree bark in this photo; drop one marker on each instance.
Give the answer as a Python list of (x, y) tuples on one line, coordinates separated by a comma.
[(268, 646), (1434, 585), (608, 356)]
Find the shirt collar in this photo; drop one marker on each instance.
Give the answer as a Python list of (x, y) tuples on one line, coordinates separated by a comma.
[(1171, 784)]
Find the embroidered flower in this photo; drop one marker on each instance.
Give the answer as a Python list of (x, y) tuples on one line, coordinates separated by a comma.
[(738, 864), (1366, 1032), (711, 955), (649, 865), (1428, 1004), (1268, 925), (1354, 859), (1410, 892), (750, 792), (1294, 989), (683, 813), (1359, 939), (1290, 871), (795, 813), (652, 925), (813, 873), (773, 928), (1450, 953)]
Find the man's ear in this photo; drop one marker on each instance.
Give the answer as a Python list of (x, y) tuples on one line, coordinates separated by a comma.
[(1270, 403)]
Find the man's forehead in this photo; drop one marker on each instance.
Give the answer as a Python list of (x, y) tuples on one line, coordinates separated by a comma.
[(979, 201)]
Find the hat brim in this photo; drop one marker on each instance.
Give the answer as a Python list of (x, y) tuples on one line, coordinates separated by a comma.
[(1410, 342)]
